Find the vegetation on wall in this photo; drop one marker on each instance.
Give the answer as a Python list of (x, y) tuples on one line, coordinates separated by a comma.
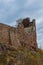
[(20, 56)]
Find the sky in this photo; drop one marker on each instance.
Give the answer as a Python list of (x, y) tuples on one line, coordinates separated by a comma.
[(12, 10)]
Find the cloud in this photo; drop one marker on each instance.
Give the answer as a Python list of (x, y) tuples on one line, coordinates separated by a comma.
[(28, 3), (40, 35), (40, 44), (7, 1), (38, 21), (8, 9), (14, 23), (11, 10)]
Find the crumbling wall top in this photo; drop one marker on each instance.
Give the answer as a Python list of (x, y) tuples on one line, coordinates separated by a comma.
[(26, 22)]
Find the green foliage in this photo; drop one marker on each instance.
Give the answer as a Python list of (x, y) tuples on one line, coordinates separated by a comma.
[(20, 56)]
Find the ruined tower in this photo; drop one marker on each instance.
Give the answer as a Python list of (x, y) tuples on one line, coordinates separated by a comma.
[(23, 34)]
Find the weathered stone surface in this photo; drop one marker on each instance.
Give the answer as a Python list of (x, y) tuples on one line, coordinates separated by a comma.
[(24, 34)]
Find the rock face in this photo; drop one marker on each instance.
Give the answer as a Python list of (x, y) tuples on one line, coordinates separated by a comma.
[(23, 35)]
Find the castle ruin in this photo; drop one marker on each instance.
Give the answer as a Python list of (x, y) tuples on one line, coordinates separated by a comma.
[(23, 34)]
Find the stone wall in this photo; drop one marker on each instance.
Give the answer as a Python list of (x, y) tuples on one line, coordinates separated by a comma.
[(24, 34)]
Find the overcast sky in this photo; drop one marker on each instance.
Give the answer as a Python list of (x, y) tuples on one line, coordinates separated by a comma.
[(12, 10)]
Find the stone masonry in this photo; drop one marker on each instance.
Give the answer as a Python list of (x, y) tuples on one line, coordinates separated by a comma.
[(23, 34)]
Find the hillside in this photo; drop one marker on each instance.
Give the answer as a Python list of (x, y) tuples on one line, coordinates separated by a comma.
[(20, 56)]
